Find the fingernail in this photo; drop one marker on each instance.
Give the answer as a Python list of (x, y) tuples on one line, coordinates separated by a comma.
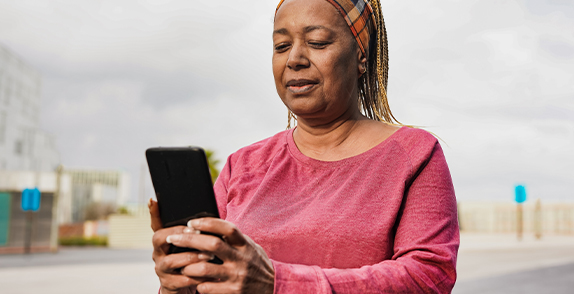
[(205, 256), (193, 223), (149, 203), (191, 231), (173, 238)]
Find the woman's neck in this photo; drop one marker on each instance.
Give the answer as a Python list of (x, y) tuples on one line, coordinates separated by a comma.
[(327, 140), (349, 135)]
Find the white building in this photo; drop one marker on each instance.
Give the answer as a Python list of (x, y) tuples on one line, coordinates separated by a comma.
[(89, 186), (23, 145)]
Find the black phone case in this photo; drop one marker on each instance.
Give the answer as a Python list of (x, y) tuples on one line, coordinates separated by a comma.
[(183, 186)]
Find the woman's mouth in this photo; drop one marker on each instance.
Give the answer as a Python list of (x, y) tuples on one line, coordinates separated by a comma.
[(300, 86)]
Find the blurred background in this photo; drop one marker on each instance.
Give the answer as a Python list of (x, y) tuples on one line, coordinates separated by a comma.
[(87, 85)]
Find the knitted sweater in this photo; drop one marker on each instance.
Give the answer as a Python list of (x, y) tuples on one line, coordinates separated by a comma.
[(384, 221)]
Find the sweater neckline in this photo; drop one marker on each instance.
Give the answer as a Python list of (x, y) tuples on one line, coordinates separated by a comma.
[(299, 156)]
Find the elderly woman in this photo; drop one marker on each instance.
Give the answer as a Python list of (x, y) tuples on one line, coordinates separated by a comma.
[(348, 201)]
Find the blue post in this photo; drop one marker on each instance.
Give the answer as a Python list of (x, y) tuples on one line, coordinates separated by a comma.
[(30, 204), (31, 199), (520, 194)]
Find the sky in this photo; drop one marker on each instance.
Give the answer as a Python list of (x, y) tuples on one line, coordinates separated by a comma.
[(494, 79)]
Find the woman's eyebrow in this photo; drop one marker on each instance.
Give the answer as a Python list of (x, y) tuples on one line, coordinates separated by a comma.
[(313, 28), (282, 31), (307, 29)]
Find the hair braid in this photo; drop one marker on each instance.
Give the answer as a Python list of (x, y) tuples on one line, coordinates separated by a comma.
[(373, 84)]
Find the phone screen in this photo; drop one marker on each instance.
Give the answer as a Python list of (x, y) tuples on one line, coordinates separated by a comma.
[(182, 183)]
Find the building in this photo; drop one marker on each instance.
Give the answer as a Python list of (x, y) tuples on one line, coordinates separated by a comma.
[(23, 145), (89, 186)]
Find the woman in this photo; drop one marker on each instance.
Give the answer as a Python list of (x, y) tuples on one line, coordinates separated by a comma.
[(346, 202)]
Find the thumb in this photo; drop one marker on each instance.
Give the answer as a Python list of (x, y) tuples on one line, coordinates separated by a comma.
[(154, 213)]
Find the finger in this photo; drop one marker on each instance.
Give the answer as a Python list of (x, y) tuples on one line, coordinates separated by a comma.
[(174, 262), (159, 239), (154, 213), (218, 287), (206, 271), (229, 231), (177, 282), (202, 242)]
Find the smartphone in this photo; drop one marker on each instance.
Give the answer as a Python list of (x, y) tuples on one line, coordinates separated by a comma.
[(182, 184)]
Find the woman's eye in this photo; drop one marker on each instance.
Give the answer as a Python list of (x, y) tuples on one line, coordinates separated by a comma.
[(281, 47), (318, 45)]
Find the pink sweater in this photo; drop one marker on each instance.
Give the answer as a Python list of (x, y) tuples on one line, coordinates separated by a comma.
[(384, 221)]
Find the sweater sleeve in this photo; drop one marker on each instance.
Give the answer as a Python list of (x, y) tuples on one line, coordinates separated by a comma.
[(425, 246), (220, 188)]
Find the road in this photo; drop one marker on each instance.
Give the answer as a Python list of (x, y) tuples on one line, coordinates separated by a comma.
[(81, 270), (502, 264), (486, 264), (548, 280)]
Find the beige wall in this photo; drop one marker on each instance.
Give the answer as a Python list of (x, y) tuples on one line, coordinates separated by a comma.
[(130, 231), (497, 217)]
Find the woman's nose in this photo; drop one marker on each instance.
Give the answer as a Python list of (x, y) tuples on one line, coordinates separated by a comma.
[(298, 58)]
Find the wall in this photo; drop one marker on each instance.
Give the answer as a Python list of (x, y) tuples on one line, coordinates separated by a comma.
[(493, 217), (130, 231)]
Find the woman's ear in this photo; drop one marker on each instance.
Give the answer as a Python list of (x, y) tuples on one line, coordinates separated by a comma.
[(362, 63)]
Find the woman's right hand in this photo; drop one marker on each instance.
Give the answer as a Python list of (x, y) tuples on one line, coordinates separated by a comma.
[(167, 266)]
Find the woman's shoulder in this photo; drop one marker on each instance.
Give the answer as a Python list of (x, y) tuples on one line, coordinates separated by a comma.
[(415, 142), (408, 135), (261, 151)]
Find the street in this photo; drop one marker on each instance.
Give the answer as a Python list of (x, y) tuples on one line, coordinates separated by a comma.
[(486, 264)]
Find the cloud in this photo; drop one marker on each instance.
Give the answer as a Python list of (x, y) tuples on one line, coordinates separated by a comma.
[(492, 78), (550, 7)]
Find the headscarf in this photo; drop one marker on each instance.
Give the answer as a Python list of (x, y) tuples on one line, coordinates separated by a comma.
[(360, 19)]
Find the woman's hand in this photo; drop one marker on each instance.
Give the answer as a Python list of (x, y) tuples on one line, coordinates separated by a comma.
[(168, 266), (245, 269)]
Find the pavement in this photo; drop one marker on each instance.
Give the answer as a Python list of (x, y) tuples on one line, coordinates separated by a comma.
[(486, 264), (79, 270), (503, 264)]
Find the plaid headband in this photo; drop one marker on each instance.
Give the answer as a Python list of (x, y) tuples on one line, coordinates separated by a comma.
[(358, 14)]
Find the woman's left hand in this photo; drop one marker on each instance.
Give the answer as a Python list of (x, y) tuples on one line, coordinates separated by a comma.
[(245, 269)]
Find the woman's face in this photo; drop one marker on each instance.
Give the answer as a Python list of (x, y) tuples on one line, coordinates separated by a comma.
[(315, 60)]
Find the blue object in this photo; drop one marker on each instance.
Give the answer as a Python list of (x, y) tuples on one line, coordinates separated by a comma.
[(31, 199), (5, 208), (520, 194)]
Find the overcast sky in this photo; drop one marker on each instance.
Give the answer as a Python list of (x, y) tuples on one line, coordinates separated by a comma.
[(494, 79)]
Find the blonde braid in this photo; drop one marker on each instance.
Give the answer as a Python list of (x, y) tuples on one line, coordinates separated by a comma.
[(290, 116), (373, 84)]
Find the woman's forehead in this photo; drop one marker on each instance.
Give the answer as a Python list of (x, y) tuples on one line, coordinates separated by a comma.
[(308, 12)]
